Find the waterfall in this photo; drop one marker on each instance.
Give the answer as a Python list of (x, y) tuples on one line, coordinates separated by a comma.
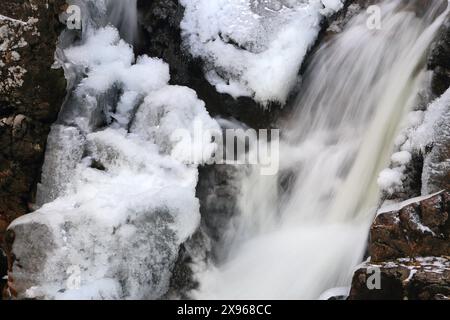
[(124, 15), (298, 241)]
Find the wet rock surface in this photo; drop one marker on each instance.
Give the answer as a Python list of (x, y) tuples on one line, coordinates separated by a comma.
[(410, 249), (31, 93), (218, 191), (404, 279), (419, 229)]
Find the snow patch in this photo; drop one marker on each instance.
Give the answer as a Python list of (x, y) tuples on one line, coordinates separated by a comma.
[(391, 180), (401, 158)]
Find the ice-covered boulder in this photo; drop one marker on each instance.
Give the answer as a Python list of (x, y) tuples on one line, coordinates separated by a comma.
[(253, 48), (118, 194)]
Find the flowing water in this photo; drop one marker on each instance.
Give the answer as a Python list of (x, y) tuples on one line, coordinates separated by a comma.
[(298, 241), (124, 15)]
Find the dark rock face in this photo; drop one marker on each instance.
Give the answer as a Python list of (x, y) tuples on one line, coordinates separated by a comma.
[(3, 271), (161, 21), (419, 229), (404, 279), (31, 94), (439, 61), (398, 241), (217, 192), (183, 280)]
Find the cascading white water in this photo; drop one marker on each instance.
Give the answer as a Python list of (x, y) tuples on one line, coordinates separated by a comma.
[(298, 243), (124, 15)]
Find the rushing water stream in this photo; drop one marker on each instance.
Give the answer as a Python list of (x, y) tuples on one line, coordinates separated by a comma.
[(298, 242)]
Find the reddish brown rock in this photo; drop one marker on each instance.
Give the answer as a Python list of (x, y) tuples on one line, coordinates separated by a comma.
[(418, 229), (404, 279), (400, 239)]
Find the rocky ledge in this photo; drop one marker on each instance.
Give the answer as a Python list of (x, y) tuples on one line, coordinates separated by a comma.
[(410, 250), (417, 229)]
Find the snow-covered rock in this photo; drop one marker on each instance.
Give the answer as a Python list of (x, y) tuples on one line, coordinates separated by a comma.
[(119, 195), (253, 48), (418, 227), (423, 143)]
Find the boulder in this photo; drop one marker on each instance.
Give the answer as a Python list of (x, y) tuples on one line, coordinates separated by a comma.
[(410, 253), (403, 279)]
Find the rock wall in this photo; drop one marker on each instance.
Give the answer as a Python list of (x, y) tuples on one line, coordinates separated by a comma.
[(31, 93)]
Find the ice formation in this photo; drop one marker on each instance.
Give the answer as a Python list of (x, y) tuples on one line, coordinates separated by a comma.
[(435, 117), (118, 193), (253, 47), (423, 130)]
